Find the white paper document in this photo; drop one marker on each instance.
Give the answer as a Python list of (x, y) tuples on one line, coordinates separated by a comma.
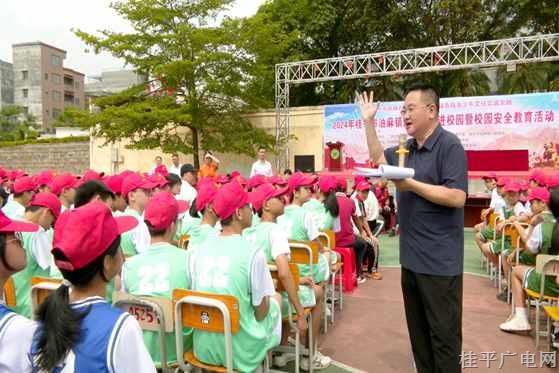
[(386, 172)]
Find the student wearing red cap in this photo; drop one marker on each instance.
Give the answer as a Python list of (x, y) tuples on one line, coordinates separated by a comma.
[(540, 238), (229, 264), (23, 190), (43, 210), (43, 180), (272, 239), (114, 183), (497, 205), (92, 191), (161, 268), (78, 330), (64, 186), (136, 191), (16, 332), (323, 206), (202, 206)]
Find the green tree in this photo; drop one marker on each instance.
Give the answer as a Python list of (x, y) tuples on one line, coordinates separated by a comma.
[(202, 78), (15, 124)]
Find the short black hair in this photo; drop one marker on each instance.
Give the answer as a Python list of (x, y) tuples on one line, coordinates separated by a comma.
[(262, 147), (87, 191), (426, 89), (186, 168), (33, 208), (173, 179)]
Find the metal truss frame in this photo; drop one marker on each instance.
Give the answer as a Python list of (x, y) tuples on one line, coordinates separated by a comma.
[(512, 51)]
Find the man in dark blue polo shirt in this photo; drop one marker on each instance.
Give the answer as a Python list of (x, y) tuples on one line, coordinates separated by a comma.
[(431, 207)]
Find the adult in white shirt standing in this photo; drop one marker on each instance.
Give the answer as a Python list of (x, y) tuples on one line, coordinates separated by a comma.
[(175, 167), (189, 176), (261, 166)]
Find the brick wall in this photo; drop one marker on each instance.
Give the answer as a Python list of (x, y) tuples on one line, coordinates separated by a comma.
[(64, 157)]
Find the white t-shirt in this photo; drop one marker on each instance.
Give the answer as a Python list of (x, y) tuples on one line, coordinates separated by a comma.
[(187, 193), (140, 233), (14, 210), (279, 242), (261, 168), (41, 246), (175, 170), (519, 209), (497, 203), (130, 353), (16, 336), (535, 240), (310, 226)]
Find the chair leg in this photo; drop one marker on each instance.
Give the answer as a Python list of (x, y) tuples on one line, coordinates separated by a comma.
[(341, 291), (311, 345), (500, 280), (537, 324)]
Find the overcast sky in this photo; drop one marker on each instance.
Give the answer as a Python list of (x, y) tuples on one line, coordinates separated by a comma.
[(50, 21)]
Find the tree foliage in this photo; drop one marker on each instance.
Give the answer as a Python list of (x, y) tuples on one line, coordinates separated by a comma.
[(15, 124), (201, 78)]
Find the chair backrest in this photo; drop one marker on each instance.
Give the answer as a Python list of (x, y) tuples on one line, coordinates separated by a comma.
[(303, 252), (332, 238), (482, 215), (546, 265), (153, 314), (511, 232), (275, 276), (41, 288), (10, 293), (493, 218), (218, 313), (183, 241)]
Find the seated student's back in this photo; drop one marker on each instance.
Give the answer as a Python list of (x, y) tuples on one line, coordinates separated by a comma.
[(160, 269), (79, 331)]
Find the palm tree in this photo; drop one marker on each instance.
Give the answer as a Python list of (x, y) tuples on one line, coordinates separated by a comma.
[(526, 79)]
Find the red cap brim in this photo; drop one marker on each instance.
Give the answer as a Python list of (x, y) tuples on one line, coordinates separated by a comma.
[(183, 206), (280, 192), (125, 223), (20, 226)]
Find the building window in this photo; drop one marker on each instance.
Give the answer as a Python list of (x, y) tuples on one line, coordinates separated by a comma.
[(25, 92), (25, 110), (76, 85), (56, 79), (55, 113), (46, 76), (76, 100), (56, 60), (56, 97), (24, 75)]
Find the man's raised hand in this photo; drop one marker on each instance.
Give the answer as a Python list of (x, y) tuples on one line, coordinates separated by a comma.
[(367, 106)]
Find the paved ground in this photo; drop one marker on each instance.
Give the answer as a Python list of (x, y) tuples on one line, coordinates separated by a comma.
[(370, 334)]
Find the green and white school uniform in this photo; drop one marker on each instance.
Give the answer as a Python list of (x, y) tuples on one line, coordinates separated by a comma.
[(232, 265), (37, 246), (187, 225), (540, 243), (200, 234), (14, 210), (136, 240), (299, 225), (322, 218), (495, 247), (272, 239), (157, 272)]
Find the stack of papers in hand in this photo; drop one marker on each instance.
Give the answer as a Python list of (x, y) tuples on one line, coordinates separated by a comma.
[(386, 172)]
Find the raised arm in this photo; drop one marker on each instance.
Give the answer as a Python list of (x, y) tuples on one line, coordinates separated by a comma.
[(368, 111)]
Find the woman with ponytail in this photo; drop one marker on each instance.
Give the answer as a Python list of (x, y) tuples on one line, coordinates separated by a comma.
[(78, 330), (16, 332)]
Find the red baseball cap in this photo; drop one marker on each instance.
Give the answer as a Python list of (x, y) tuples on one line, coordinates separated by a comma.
[(24, 184), (114, 183), (163, 209), (491, 175), (299, 179), (358, 179), (205, 196), (8, 225), (363, 185), (158, 179), (538, 175), (264, 193), (3, 173), (512, 187), (85, 233), (48, 200), (16, 174), (256, 181), (228, 199), (135, 181), (234, 174), (44, 178), (62, 182), (92, 175), (327, 184), (539, 193), (222, 179), (502, 181), (523, 186), (553, 181), (278, 180)]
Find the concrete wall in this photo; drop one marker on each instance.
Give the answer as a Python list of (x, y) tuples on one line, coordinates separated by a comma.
[(306, 125), (6, 84), (63, 157)]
